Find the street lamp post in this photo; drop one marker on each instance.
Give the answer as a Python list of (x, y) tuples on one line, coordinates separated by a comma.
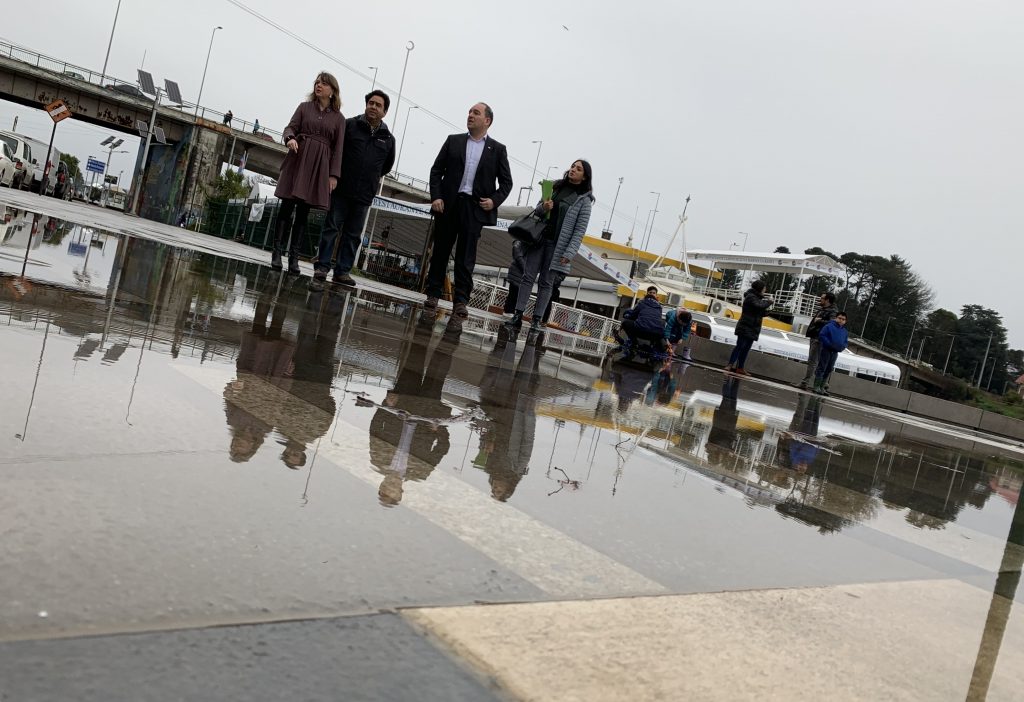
[(404, 130), (103, 76), (745, 237), (374, 83), (205, 66), (548, 172), (408, 49), (533, 177), (654, 215), (614, 202)]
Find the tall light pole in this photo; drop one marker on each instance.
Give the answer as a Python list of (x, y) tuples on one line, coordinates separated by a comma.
[(745, 237), (547, 172), (614, 202), (103, 76), (404, 130), (205, 66), (374, 83), (408, 49), (533, 177), (653, 216)]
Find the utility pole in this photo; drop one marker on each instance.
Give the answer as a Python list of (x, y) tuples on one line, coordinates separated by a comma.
[(981, 371)]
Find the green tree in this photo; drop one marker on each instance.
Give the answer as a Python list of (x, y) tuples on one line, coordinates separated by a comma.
[(778, 281), (940, 325), (976, 326), (229, 185), (817, 284), (73, 167)]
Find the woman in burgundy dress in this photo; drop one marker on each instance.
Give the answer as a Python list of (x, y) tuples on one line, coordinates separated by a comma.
[(314, 137)]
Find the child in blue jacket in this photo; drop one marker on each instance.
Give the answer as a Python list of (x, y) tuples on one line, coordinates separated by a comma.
[(833, 339)]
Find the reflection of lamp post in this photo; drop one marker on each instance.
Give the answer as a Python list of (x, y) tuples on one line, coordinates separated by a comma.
[(404, 130), (205, 66)]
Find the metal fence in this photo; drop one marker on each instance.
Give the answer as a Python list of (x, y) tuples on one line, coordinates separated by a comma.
[(491, 296)]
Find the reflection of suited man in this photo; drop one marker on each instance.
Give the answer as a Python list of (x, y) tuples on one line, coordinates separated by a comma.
[(465, 198), (407, 435), (722, 437), (507, 396)]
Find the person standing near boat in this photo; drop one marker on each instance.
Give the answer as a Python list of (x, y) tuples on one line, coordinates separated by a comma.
[(549, 260), (748, 328), (825, 314), (315, 137)]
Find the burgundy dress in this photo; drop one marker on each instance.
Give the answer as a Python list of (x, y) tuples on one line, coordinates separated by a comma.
[(321, 136)]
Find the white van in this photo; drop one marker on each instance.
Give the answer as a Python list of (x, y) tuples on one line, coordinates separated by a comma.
[(22, 151), (39, 153)]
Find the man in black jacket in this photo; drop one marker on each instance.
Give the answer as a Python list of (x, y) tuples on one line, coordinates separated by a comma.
[(825, 314), (469, 180), (368, 154)]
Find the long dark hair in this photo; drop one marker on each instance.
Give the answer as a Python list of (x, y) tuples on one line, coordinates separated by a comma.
[(585, 186)]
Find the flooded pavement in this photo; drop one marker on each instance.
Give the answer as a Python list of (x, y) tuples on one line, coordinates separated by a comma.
[(188, 439)]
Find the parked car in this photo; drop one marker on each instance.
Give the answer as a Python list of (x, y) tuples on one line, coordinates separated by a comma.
[(8, 165), (40, 149), (127, 90), (72, 74), (64, 186), (25, 166)]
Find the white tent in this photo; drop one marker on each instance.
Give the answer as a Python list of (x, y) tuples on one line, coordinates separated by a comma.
[(798, 264)]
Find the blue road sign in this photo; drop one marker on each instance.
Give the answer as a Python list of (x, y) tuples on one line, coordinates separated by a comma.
[(95, 166)]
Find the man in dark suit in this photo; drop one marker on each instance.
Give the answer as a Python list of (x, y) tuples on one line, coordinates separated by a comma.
[(469, 180)]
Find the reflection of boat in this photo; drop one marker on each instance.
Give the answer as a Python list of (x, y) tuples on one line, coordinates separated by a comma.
[(781, 417), (795, 347)]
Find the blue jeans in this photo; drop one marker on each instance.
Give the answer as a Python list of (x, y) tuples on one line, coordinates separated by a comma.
[(349, 216), (826, 362), (738, 359)]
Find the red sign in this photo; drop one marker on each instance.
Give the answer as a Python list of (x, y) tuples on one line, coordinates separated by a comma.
[(58, 110)]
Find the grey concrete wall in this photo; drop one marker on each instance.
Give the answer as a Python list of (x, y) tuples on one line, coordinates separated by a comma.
[(1002, 425), (888, 396)]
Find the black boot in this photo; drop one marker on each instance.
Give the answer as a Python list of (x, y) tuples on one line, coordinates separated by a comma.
[(511, 297), (280, 232), (293, 265), (516, 322)]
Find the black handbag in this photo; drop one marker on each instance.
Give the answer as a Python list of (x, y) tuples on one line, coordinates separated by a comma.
[(529, 228)]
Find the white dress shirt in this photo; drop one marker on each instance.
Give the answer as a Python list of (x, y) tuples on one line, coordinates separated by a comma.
[(474, 150)]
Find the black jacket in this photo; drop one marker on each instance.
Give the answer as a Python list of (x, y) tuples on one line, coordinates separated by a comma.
[(647, 315), (450, 164), (365, 159), (755, 306), (823, 316)]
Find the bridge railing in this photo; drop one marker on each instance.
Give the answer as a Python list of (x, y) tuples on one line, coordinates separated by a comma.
[(409, 180), (71, 71)]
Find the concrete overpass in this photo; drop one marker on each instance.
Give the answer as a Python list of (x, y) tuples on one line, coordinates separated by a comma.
[(913, 376), (197, 146)]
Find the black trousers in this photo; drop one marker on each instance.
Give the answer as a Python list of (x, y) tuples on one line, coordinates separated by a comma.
[(284, 223), (456, 228)]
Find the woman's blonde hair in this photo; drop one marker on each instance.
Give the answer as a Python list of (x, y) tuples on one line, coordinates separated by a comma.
[(325, 77)]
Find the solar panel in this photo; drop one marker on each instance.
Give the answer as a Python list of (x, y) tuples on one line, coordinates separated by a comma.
[(158, 134), (143, 128), (106, 141), (146, 82), (173, 94), (116, 143)]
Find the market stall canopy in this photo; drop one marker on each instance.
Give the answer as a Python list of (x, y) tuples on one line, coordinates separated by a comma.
[(771, 262)]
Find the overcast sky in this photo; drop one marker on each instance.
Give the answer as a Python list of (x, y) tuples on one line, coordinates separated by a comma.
[(880, 127)]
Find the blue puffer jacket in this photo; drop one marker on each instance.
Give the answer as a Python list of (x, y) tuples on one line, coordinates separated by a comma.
[(833, 337), (678, 324), (647, 315)]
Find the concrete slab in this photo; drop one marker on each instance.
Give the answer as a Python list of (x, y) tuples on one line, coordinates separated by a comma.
[(888, 641), (368, 658)]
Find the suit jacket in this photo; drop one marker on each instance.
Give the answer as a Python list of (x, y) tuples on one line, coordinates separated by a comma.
[(493, 175)]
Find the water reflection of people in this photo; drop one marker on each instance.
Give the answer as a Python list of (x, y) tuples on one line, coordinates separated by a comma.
[(408, 434), (798, 448), (283, 382), (722, 438), (507, 396)]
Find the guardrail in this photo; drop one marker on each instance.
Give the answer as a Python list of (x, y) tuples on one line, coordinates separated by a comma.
[(72, 72)]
